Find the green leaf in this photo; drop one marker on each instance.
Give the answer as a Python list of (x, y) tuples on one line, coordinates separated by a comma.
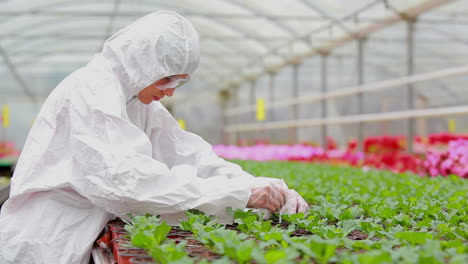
[(160, 233), (142, 239), (414, 238), (375, 256)]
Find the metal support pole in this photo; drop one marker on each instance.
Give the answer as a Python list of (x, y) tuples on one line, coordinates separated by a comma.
[(271, 98), (224, 121), (323, 79), (294, 108), (237, 98), (410, 89), (224, 103), (252, 101), (252, 97), (360, 96)]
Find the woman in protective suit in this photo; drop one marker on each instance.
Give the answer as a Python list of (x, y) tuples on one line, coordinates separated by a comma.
[(103, 146)]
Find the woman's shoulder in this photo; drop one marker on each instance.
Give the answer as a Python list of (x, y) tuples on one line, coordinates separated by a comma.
[(88, 90)]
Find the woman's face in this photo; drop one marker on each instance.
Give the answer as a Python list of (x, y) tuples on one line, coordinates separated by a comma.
[(153, 93)]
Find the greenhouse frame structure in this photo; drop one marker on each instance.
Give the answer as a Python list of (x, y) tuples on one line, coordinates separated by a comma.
[(48, 39)]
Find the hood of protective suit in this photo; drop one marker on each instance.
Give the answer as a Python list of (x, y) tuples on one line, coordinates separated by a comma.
[(157, 45)]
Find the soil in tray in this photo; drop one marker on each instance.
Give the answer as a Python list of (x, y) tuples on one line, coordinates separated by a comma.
[(193, 242), (205, 254), (283, 224), (232, 227), (194, 247), (200, 251), (179, 234), (357, 235), (301, 232)]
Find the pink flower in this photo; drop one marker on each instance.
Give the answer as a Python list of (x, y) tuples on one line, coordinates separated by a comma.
[(434, 172)]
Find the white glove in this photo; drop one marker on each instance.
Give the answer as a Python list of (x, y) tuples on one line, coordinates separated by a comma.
[(294, 203), (271, 197), (278, 194)]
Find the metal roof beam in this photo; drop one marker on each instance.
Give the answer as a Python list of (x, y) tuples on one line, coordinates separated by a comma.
[(70, 35), (365, 31), (305, 37), (13, 13), (223, 24), (261, 14), (445, 19), (334, 20)]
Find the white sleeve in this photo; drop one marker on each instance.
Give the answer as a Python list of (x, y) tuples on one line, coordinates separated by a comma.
[(114, 168), (175, 146)]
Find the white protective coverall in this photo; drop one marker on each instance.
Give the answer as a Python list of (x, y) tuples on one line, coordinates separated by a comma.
[(90, 157)]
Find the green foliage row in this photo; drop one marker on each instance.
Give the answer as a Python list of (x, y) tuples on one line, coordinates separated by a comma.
[(401, 218), (407, 219)]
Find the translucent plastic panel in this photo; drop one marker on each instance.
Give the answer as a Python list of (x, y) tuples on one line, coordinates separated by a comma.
[(16, 25), (263, 28), (8, 85), (205, 25), (211, 6), (447, 92), (47, 45), (32, 40), (342, 67), (440, 47), (238, 46), (386, 59), (377, 11), (46, 69), (68, 25), (341, 8), (207, 124), (278, 7), (404, 4), (65, 58), (238, 37), (24, 5), (306, 24), (226, 62), (218, 49), (83, 6)]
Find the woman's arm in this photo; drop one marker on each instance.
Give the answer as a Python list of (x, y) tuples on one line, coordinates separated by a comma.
[(174, 146), (114, 168)]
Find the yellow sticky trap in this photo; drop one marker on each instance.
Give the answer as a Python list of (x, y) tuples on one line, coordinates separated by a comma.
[(260, 109), (181, 123), (452, 125), (6, 116)]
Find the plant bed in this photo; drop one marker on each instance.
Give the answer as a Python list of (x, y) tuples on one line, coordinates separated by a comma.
[(355, 216), (125, 252)]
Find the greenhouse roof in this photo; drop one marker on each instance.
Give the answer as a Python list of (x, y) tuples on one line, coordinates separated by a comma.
[(240, 40)]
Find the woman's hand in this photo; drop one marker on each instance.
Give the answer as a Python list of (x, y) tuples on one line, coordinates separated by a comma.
[(272, 197), (294, 203)]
